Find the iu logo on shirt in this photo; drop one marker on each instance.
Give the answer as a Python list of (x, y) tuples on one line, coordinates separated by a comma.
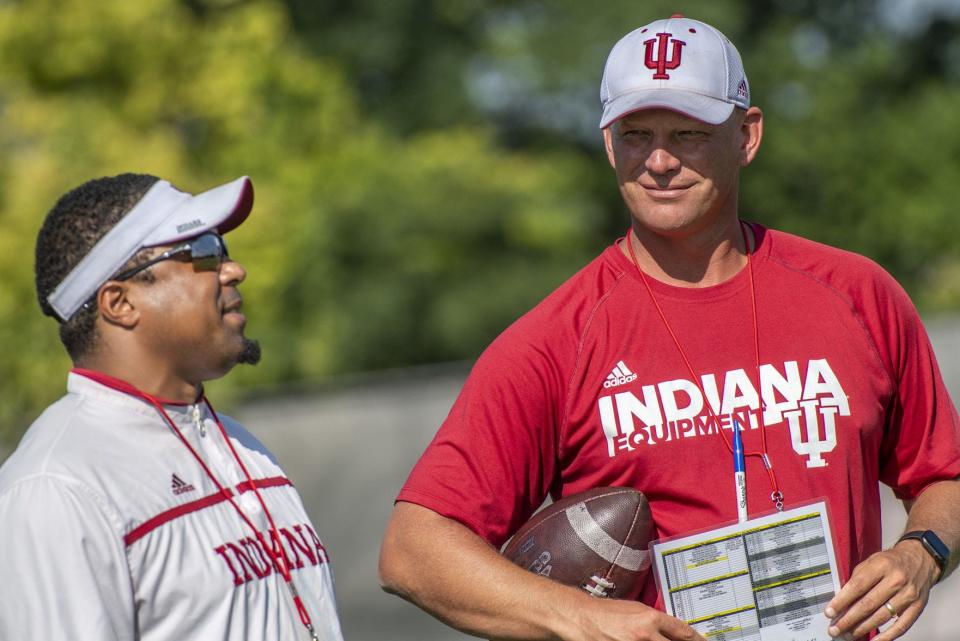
[(809, 400), (664, 59), (808, 442)]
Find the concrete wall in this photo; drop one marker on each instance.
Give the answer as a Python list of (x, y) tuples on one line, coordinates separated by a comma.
[(349, 449)]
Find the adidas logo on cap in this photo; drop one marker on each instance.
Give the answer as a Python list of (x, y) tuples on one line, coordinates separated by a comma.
[(620, 375)]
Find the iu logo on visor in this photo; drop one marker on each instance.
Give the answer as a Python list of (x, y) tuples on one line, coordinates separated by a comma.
[(665, 59)]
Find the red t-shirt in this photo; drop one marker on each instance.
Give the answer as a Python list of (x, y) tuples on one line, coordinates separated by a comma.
[(589, 389)]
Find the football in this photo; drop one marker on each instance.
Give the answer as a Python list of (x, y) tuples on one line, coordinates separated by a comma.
[(596, 540)]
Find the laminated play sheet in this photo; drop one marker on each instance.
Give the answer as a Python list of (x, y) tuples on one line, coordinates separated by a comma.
[(766, 579)]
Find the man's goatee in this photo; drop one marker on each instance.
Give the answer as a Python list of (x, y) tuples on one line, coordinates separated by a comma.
[(251, 352)]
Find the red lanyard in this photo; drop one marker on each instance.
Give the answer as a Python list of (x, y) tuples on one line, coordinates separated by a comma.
[(275, 550), (775, 495)]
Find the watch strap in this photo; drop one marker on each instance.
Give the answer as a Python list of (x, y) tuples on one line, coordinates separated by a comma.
[(933, 545)]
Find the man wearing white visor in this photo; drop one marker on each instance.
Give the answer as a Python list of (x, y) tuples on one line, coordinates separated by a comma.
[(131, 509), (638, 369)]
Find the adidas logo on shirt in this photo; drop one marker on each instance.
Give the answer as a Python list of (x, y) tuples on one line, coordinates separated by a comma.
[(179, 486), (621, 374)]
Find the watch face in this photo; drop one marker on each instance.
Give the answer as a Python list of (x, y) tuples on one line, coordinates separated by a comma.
[(936, 547), (933, 545)]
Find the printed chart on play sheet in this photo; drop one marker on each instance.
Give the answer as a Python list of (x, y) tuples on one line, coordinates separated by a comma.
[(767, 579)]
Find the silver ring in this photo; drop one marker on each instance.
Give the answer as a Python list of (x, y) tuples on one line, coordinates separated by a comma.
[(891, 610)]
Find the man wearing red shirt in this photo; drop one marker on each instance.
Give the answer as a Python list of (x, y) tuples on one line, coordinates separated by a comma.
[(634, 372)]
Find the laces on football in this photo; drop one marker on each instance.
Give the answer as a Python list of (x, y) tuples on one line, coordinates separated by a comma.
[(599, 586)]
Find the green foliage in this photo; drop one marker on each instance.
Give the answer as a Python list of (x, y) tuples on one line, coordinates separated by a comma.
[(365, 249), (861, 154)]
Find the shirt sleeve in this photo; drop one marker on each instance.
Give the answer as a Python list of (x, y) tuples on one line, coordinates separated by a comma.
[(495, 458), (63, 565), (921, 443)]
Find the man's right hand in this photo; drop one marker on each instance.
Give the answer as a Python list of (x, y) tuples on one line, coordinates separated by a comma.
[(447, 570), (628, 620)]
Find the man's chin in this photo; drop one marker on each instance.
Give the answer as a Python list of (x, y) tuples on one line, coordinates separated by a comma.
[(250, 354)]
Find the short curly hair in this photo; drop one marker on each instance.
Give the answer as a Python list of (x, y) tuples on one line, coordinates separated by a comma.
[(78, 220)]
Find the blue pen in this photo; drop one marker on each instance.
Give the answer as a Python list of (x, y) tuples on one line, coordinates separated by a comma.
[(739, 473)]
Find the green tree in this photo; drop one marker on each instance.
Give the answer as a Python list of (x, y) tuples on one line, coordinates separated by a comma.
[(860, 97), (366, 249)]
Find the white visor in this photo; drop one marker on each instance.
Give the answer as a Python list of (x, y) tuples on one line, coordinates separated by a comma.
[(164, 215)]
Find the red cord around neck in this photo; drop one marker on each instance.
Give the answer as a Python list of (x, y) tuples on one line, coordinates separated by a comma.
[(275, 549), (776, 495)]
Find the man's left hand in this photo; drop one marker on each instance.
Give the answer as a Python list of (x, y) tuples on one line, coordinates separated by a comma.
[(893, 584)]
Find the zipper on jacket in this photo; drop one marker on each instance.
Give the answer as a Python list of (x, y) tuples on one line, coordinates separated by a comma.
[(198, 421)]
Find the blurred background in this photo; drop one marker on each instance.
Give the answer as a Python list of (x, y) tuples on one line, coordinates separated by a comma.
[(427, 170)]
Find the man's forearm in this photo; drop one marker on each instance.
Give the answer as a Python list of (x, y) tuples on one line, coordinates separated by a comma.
[(891, 587), (447, 570), (937, 508), (460, 579)]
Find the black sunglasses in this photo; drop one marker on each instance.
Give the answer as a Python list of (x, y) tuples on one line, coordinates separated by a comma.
[(207, 252)]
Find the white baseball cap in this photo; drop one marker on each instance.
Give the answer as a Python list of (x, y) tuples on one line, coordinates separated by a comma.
[(679, 64), (163, 216)]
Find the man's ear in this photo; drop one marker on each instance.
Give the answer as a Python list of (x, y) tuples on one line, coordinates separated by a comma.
[(608, 144), (752, 129), (116, 306)]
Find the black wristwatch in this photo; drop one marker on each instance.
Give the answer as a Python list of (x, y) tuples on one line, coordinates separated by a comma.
[(933, 545)]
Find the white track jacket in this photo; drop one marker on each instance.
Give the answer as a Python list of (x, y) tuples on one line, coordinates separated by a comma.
[(111, 530)]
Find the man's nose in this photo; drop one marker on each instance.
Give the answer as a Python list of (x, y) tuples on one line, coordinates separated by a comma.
[(232, 272), (661, 161)]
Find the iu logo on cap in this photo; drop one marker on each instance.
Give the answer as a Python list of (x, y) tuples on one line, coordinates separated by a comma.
[(663, 59)]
